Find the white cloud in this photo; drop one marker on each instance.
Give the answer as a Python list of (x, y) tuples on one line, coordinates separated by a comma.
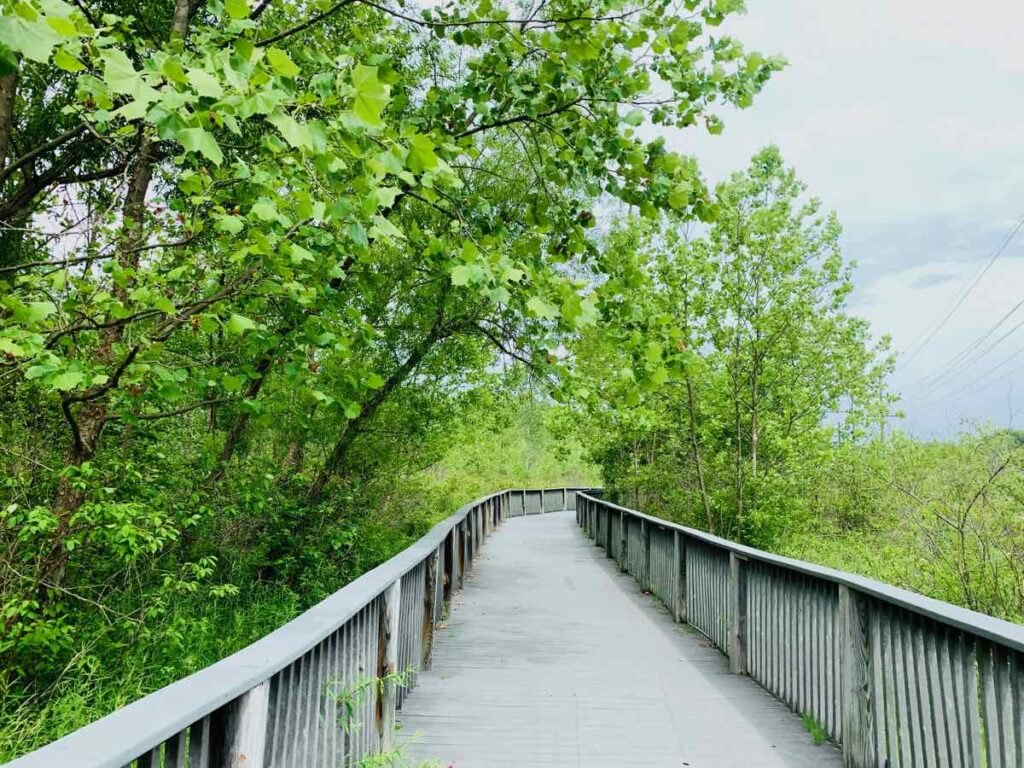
[(905, 117)]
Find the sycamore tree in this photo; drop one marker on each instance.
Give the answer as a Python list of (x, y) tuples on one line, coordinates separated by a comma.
[(763, 370), (272, 218)]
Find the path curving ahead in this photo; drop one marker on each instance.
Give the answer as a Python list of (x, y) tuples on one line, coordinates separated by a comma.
[(552, 657)]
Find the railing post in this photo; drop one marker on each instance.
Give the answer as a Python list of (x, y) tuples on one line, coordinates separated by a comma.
[(245, 729), (387, 666), (738, 613), (459, 556), (623, 542), (856, 680), (645, 581), (679, 558), (607, 532), (429, 608)]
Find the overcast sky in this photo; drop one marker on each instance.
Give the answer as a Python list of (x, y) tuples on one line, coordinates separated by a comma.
[(907, 118)]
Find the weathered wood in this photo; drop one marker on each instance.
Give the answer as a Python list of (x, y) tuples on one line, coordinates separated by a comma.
[(245, 729), (429, 609), (559, 690), (679, 572), (608, 533), (624, 542), (738, 615), (388, 665), (856, 679), (645, 566)]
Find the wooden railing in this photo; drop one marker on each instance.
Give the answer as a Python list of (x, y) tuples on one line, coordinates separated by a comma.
[(321, 690), (896, 678)]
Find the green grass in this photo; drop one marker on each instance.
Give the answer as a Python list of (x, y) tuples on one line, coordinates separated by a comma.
[(96, 683), (818, 733)]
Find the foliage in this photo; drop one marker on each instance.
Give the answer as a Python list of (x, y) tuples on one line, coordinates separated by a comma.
[(940, 518), (255, 256), (761, 370)]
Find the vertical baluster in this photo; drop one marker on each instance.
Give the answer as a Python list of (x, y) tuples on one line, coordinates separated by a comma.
[(388, 654), (856, 678), (175, 753), (877, 702), (737, 645), (939, 694), (887, 709)]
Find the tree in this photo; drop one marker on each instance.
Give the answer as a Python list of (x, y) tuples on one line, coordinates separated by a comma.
[(763, 364), (245, 216)]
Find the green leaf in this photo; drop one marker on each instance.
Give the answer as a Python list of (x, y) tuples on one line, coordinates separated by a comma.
[(67, 380), (352, 410), (34, 39), (230, 224), (294, 132), (204, 83), (264, 209), (299, 254), (239, 324), (541, 308), (461, 274), (281, 63), (118, 72), (67, 62), (634, 117), (237, 9), (33, 313), (421, 154), (201, 141), (371, 95), (679, 195)]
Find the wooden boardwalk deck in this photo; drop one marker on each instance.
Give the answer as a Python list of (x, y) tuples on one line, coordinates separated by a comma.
[(552, 657)]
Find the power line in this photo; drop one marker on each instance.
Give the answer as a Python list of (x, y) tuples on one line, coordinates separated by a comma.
[(965, 358), (1005, 376), (970, 288)]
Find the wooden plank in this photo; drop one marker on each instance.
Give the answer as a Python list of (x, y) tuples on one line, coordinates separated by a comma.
[(738, 615), (246, 729), (429, 603), (679, 571), (388, 664), (858, 729), (556, 690), (645, 567)]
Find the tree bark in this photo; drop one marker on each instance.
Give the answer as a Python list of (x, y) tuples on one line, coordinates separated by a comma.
[(88, 425), (355, 426), (8, 89), (263, 366)]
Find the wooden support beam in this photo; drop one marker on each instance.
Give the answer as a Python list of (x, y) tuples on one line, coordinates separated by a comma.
[(429, 608), (245, 729), (645, 568), (855, 692), (387, 700), (679, 558), (623, 542), (607, 532), (738, 614)]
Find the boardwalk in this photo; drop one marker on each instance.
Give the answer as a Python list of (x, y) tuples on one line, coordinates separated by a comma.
[(551, 657)]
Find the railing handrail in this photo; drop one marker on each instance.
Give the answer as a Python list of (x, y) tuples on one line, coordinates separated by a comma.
[(980, 624), (120, 737)]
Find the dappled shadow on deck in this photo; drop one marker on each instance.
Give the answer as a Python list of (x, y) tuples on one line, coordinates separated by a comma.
[(552, 657)]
